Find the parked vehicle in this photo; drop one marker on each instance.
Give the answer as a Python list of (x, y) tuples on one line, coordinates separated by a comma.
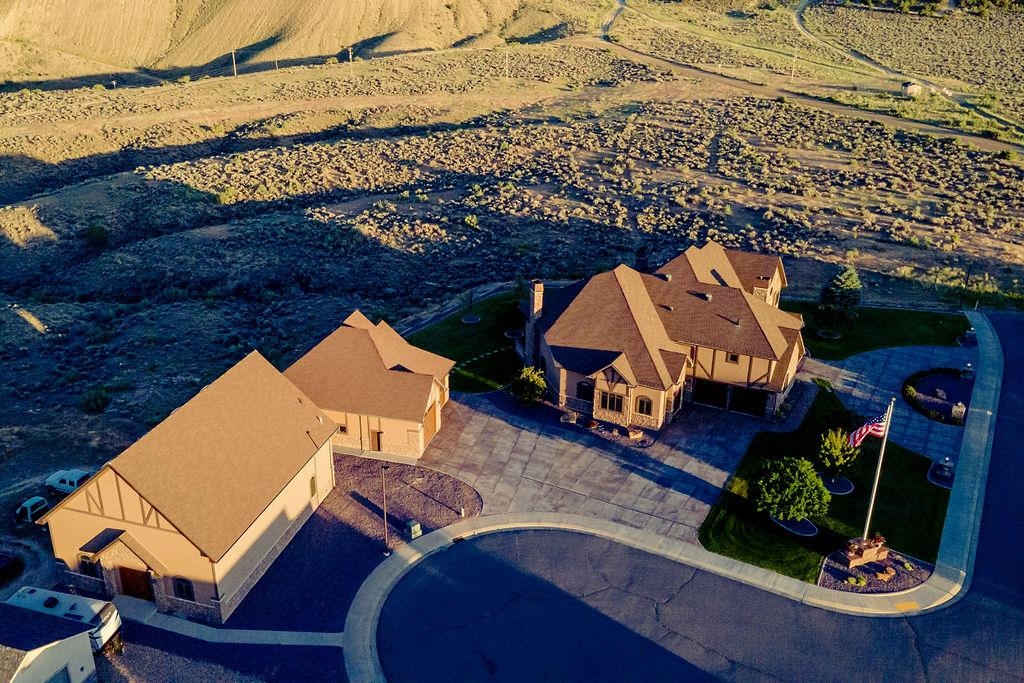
[(31, 510), (100, 614), (66, 481)]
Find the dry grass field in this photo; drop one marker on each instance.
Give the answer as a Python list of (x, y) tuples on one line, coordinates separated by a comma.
[(151, 235), (983, 55)]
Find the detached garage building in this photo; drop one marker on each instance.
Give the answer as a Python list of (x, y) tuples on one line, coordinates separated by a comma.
[(385, 394), (194, 513)]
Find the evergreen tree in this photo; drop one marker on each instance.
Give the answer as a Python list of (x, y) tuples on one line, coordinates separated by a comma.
[(840, 299)]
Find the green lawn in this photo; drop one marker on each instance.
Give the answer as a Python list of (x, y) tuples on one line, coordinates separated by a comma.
[(459, 341), (909, 511), (877, 328)]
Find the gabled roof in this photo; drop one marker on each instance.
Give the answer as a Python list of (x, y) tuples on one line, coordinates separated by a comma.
[(217, 462), (370, 370), (33, 631), (612, 322), (703, 297)]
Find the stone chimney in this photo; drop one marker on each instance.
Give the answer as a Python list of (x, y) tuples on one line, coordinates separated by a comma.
[(536, 299)]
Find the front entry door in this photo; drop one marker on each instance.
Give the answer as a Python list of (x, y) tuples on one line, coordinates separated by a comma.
[(136, 583), (375, 440)]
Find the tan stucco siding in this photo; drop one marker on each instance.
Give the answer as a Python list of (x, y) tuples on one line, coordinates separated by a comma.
[(714, 364), (79, 520), (401, 437), (234, 571), (41, 664)]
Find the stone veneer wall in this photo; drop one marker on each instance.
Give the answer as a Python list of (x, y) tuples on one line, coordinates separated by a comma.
[(229, 603)]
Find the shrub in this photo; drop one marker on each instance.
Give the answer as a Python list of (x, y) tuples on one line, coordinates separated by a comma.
[(96, 236), (472, 221), (95, 401), (184, 79), (789, 488), (835, 452), (529, 385), (909, 392), (331, 60)]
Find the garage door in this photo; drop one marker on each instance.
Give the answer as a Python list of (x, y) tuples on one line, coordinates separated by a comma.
[(749, 401), (710, 393), (429, 424)]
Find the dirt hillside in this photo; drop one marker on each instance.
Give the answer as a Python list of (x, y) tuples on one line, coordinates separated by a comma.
[(54, 38)]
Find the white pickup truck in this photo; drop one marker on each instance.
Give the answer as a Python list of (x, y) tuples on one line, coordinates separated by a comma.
[(66, 481)]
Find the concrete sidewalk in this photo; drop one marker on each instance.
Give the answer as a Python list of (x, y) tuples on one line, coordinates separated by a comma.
[(948, 582), (144, 612)]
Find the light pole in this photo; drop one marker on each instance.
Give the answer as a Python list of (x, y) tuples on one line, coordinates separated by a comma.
[(384, 496)]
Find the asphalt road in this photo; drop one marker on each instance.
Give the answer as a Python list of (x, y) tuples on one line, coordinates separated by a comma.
[(549, 605)]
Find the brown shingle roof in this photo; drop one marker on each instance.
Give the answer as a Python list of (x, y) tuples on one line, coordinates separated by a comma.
[(753, 269), (613, 321), (216, 463), (648, 322), (370, 370)]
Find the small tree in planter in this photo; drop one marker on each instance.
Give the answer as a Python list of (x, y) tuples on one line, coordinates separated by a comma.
[(790, 489), (529, 385), (836, 455)]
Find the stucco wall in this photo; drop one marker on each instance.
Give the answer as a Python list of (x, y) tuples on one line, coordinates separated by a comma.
[(108, 502), (75, 653), (236, 572), (713, 364), (401, 437)]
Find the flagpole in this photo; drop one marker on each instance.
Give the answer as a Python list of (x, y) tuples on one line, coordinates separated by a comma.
[(878, 470)]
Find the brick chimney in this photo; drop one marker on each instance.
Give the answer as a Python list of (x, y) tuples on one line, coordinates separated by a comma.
[(536, 299)]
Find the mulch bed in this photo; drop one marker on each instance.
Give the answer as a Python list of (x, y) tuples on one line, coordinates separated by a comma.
[(834, 574)]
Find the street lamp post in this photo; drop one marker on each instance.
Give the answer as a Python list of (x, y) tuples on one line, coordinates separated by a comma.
[(384, 497)]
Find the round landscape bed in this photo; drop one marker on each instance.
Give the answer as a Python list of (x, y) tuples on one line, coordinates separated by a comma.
[(837, 486), (831, 335), (940, 394), (471, 319), (798, 527)]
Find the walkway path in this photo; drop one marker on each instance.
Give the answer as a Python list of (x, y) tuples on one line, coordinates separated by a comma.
[(144, 612)]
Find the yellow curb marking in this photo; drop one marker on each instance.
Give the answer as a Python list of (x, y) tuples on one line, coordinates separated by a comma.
[(906, 606)]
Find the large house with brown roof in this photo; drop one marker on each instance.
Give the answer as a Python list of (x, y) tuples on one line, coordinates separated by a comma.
[(630, 347), (192, 514), (385, 394)]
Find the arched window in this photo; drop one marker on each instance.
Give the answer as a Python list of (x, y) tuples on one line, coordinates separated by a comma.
[(644, 406), (89, 568), (585, 391), (183, 589)]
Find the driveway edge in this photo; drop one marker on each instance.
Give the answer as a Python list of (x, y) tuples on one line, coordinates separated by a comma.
[(947, 584)]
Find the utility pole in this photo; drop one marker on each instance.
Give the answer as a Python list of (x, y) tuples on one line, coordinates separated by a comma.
[(506, 65), (351, 65), (276, 67), (234, 65), (384, 497), (792, 72)]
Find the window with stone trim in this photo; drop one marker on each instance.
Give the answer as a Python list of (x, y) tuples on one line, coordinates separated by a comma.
[(183, 589), (611, 402), (644, 405)]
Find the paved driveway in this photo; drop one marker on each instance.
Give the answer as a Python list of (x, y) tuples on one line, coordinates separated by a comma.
[(523, 459), (867, 381)]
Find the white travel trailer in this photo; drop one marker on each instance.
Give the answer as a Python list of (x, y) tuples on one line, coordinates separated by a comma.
[(100, 614)]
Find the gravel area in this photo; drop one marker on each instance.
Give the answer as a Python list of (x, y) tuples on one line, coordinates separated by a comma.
[(834, 574), (155, 655), (312, 583)]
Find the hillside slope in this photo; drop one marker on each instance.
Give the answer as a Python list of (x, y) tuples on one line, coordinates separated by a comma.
[(57, 38)]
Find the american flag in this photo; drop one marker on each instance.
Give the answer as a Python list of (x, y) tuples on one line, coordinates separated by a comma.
[(874, 427)]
